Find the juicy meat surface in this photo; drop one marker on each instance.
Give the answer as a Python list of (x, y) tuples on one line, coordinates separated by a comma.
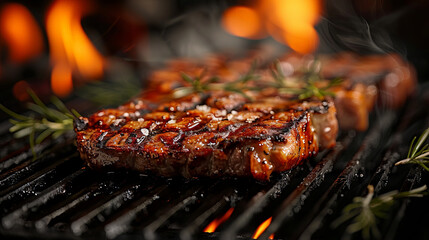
[(208, 135), (384, 80), (223, 133)]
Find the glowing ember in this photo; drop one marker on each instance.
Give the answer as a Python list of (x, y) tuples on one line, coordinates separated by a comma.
[(243, 22), (70, 47), (20, 32), (218, 221), (262, 228)]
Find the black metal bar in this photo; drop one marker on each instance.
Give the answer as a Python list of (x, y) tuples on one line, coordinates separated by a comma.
[(150, 230), (16, 217), (353, 173), (123, 223), (20, 192), (296, 199), (215, 202), (24, 156), (244, 218), (125, 195)]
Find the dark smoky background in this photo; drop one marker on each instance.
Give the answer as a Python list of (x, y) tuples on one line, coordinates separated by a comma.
[(150, 32), (134, 37), (153, 31), (378, 27)]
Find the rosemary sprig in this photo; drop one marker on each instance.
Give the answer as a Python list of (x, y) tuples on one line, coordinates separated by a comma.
[(43, 120), (310, 89), (306, 87), (418, 152), (199, 85), (364, 212), (310, 85)]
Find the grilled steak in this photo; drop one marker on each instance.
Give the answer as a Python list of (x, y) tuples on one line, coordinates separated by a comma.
[(209, 134), (222, 133)]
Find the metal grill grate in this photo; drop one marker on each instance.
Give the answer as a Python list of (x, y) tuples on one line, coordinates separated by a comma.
[(58, 197)]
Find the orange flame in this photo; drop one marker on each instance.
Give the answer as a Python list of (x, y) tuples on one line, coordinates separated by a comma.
[(218, 221), (288, 21), (243, 22), (296, 18), (70, 47), (20, 32), (61, 80), (262, 228)]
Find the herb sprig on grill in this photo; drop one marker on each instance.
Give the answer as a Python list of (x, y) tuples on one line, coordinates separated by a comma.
[(42, 121), (364, 213), (307, 86), (418, 152), (198, 84)]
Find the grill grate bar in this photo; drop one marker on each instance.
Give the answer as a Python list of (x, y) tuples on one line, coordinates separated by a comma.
[(122, 223), (31, 169), (409, 217), (172, 206), (17, 194), (105, 211), (20, 155), (44, 222), (25, 164), (150, 230), (396, 151), (203, 219), (95, 196), (17, 217), (384, 179), (214, 203), (245, 217), (74, 200), (413, 178), (296, 199), (31, 180), (333, 199), (12, 151), (24, 155)]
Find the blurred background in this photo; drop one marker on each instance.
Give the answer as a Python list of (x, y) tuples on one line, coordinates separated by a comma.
[(58, 47)]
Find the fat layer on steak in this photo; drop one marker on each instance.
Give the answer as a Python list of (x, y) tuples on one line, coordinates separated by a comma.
[(208, 134)]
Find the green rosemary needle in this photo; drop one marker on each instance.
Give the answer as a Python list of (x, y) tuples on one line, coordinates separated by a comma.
[(43, 121), (418, 152), (305, 87), (200, 85), (364, 213)]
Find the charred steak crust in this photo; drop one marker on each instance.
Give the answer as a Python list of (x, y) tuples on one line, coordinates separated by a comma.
[(219, 133), (199, 136)]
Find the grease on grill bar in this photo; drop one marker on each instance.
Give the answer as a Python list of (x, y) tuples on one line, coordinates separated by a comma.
[(56, 196)]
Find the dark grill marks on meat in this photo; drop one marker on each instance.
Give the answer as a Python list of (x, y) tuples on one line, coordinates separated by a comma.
[(198, 136), (220, 133)]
